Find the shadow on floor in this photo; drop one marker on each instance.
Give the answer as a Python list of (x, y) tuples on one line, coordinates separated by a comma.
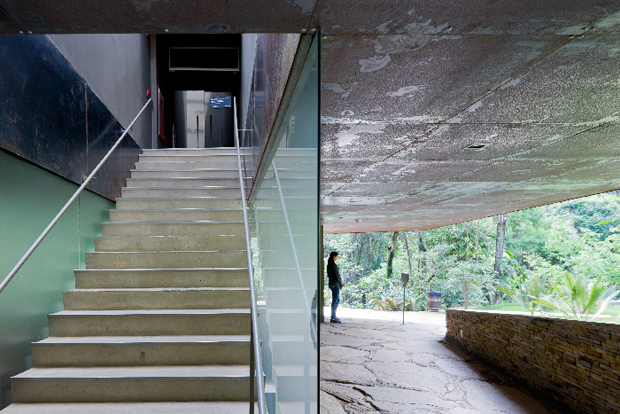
[(373, 363)]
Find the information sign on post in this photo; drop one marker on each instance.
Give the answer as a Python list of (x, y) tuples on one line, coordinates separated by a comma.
[(404, 277)]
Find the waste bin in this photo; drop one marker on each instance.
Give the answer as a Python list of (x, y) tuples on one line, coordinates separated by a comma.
[(433, 301)]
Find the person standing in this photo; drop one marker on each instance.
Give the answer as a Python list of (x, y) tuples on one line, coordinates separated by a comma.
[(335, 284)]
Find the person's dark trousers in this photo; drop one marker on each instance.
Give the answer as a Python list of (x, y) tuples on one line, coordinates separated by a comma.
[(335, 288)]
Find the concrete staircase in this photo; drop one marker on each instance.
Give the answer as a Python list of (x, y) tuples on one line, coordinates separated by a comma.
[(159, 321), (294, 358)]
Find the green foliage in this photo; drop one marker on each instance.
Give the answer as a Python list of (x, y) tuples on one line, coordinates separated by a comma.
[(542, 244), (526, 292), (527, 287), (580, 297), (389, 305)]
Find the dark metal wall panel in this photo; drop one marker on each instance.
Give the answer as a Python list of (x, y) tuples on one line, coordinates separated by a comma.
[(103, 132), (50, 117), (275, 54), (7, 24), (153, 16)]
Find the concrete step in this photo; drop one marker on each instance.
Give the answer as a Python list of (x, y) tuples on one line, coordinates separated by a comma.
[(174, 228), (284, 173), (229, 173), (213, 191), (281, 243), (303, 162), (177, 202), (184, 151), (294, 383), (169, 260), (182, 182), (286, 349), (228, 164), (169, 243), (150, 322), (291, 181), (157, 298), (295, 151), (288, 297), (204, 156), (274, 277), (272, 258), (141, 351), (180, 214), (161, 278), (287, 322), (139, 384), (271, 192), (291, 202), (279, 229), (211, 407), (296, 407), (277, 214)]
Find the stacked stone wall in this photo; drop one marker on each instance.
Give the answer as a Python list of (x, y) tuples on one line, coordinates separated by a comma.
[(574, 364)]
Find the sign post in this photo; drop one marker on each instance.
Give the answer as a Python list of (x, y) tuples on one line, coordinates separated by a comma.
[(404, 277)]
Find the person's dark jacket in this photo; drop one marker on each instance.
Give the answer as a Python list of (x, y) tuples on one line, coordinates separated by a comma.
[(333, 273)]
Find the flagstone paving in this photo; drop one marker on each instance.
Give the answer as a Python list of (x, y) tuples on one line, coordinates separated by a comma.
[(371, 363)]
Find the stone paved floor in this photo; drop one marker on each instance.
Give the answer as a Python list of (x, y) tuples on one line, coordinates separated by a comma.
[(371, 363)]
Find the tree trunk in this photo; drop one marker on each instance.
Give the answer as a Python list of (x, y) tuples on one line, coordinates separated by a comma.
[(499, 248), (421, 254), (476, 239), (391, 252), (408, 254), (466, 279)]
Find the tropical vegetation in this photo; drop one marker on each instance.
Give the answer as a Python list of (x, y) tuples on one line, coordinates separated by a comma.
[(559, 259)]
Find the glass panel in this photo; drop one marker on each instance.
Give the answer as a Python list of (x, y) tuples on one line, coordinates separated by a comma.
[(285, 224), (30, 197)]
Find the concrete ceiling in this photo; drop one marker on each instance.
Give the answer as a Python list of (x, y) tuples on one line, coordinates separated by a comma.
[(407, 86)]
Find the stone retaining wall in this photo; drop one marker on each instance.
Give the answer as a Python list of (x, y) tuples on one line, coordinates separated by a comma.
[(574, 363)]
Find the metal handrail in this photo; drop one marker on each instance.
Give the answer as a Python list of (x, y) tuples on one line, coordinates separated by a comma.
[(25, 257), (292, 241), (258, 366)]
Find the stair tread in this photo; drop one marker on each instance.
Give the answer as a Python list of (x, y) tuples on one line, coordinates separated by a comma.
[(170, 252), (180, 178), (167, 269), (143, 339), (201, 154), (187, 169), (116, 223), (293, 371), (177, 198), (150, 312), (166, 289), (184, 209), (211, 407), (196, 187), (173, 371)]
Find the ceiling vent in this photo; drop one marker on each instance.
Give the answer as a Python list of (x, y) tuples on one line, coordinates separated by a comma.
[(476, 145)]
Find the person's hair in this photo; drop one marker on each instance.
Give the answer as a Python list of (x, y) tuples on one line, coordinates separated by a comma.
[(331, 258)]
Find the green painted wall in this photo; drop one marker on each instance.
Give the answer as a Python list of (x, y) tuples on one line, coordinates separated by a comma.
[(30, 197)]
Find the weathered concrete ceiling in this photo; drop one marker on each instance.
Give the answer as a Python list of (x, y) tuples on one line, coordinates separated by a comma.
[(407, 86)]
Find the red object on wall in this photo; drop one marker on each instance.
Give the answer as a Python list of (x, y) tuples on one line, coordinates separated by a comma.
[(160, 114)]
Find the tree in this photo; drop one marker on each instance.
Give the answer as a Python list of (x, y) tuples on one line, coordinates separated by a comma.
[(421, 254), (499, 248), (391, 253)]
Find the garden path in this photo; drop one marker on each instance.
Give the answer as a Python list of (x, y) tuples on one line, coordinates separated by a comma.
[(371, 363)]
